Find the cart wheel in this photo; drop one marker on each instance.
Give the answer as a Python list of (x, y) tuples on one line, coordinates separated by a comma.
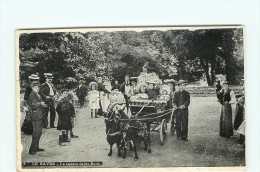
[(163, 131)]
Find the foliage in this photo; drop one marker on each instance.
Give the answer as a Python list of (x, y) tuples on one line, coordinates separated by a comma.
[(173, 53)]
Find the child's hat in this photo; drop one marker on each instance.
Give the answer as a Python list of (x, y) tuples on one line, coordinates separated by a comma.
[(93, 83)]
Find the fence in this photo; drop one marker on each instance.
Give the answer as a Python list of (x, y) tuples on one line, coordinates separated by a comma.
[(211, 91)]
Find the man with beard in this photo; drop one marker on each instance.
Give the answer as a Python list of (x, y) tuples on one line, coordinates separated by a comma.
[(37, 107)]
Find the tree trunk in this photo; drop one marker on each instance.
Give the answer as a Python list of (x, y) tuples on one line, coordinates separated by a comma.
[(213, 76), (205, 66)]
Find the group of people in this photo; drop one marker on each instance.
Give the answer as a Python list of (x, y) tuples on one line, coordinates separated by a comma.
[(226, 98), (39, 103)]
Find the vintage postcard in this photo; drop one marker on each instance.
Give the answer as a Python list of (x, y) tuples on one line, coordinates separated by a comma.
[(138, 98)]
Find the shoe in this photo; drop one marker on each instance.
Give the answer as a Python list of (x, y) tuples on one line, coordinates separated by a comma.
[(39, 150), (61, 141), (179, 138), (73, 136), (47, 127), (185, 139), (53, 127), (32, 152), (65, 138)]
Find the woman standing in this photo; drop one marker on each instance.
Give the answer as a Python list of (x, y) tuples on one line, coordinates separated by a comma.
[(226, 98)]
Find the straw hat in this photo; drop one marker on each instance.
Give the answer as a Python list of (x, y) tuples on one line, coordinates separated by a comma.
[(151, 82), (181, 82), (48, 75), (140, 85), (169, 81), (34, 77)]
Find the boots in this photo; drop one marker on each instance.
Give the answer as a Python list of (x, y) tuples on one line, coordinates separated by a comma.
[(96, 113), (91, 113), (61, 141), (72, 135), (65, 136)]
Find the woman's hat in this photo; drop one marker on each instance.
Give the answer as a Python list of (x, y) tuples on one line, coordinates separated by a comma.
[(34, 77), (140, 85), (151, 82), (226, 82), (35, 83), (169, 81), (93, 83), (134, 79), (48, 75), (181, 82)]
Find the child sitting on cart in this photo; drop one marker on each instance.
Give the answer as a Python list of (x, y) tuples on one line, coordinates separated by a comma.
[(164, 93), (153, 89), (142, 92)]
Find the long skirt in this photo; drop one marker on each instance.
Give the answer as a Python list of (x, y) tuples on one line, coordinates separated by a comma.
[(27, 126), (104, 101), (226, 127), (239, 116), (242, 128)]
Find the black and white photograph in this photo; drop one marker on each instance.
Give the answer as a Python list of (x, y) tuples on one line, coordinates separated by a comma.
[(131, 97)]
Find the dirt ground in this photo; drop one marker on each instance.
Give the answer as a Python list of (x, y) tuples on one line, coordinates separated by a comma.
[(204, 149)]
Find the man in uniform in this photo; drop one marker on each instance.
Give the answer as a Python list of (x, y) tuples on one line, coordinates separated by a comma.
[(37, 106), (181, 101), (47, 93)]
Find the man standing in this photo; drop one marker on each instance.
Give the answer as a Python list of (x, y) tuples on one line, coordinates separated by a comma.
[(81, 93), (125, 88), (181, 101), (102, 90), (37, 107), (27, 127), (47, 93)]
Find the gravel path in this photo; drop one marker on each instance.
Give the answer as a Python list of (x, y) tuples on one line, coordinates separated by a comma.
[(204, 148)]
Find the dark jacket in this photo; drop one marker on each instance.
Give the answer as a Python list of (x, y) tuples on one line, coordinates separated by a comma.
[(36, 107), (45, 91), (27, 93), (181, 98), (101, 87), (82, 91), (116, 86), (66, 111), (122, 87)]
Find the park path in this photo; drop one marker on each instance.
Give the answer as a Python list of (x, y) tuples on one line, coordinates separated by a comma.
[(204, 148)]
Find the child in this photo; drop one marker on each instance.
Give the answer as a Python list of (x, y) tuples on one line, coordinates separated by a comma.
[(152, 90), (66, 111), (93, 98), (164, 95), (142, 92)]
